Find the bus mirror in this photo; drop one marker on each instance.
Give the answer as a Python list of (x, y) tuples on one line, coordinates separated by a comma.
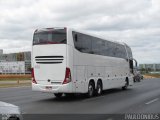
[(76, 37)]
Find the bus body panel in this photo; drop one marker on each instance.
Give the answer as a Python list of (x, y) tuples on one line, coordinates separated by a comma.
[(80, 78), (84, 67), (50, 74), (66, 88), (113, 73), (49, 63), (69, 63)]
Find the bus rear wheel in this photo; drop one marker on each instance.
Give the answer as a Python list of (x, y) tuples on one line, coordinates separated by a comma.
[(99, 88), (90, 89), (58, 95)]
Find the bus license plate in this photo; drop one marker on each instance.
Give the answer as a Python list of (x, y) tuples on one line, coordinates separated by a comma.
[(48, 87)]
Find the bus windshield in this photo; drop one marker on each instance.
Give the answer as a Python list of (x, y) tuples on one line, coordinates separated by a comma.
[(50, 37)]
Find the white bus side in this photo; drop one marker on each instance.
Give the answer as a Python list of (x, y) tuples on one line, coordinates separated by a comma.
[(112, 72)]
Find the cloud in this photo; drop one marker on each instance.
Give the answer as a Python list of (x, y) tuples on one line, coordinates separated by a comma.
[(15, 45), (135, 22)]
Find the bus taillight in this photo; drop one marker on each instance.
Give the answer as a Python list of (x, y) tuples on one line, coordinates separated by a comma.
[(33, 78), (67, 78)]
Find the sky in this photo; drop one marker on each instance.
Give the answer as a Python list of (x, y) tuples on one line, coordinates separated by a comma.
[(135, 22)]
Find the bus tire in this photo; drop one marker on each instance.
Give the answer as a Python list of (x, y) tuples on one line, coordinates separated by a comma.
[(58, 95), (126, 85), (99, 88), (91, 89)]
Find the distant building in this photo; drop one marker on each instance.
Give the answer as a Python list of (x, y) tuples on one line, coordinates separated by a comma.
[(150, 67), (15, 63)]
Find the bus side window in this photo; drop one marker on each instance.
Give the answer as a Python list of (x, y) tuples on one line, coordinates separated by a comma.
[(76, 37)]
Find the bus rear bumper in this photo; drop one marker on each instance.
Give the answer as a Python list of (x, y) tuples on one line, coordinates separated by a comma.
[(63, 88)]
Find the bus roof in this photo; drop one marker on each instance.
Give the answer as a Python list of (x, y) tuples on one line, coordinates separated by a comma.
[(49, 29)]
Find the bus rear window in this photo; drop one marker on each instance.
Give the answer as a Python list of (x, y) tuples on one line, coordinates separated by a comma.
[(50, 37)]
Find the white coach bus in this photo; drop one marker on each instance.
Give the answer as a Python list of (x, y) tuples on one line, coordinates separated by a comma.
[(66, 61)]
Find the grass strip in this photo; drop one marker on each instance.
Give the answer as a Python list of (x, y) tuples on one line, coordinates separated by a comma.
[(153, 75), (14, 85)]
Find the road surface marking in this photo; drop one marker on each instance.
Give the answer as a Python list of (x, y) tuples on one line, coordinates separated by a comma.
[(154, 100)]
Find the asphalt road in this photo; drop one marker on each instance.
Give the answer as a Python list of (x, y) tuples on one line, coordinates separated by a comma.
[(143, 97)]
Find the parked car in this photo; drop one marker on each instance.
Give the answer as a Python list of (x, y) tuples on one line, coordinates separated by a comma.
[(9, 111)]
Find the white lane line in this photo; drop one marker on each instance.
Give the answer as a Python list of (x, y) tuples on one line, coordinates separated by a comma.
[(154, 100)]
